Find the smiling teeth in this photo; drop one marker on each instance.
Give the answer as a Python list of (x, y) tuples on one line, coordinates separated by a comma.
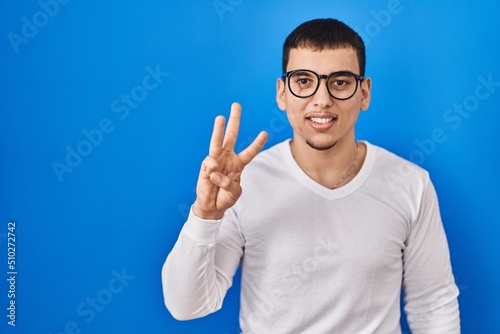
[(321, 120)]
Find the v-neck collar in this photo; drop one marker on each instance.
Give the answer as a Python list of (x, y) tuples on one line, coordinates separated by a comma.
[(330, 194)]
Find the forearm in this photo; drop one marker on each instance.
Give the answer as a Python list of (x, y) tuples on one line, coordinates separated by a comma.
[(444, 319), (191, 286)]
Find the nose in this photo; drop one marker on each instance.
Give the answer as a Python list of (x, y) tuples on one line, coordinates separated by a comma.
[(322, 97)]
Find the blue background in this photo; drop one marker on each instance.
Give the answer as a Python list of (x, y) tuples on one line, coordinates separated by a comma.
[(118, 212)]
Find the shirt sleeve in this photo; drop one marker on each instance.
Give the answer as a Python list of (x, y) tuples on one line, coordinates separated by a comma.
[(430, 291), (200, 268)]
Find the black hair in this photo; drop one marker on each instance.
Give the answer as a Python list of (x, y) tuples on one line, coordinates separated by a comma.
[(320, 34)]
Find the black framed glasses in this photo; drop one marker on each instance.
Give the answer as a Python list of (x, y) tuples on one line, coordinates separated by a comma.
[(340, 85)]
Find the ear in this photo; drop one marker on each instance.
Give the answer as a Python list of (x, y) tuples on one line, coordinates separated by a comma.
[(366, 87), (280, 94)]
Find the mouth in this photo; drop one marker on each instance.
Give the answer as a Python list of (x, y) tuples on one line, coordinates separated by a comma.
[(321, 122)]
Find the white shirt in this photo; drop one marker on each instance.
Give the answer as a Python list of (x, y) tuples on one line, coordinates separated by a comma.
[(316, 260)]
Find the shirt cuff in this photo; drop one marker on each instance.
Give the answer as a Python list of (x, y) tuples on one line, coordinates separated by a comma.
[(202, 231)]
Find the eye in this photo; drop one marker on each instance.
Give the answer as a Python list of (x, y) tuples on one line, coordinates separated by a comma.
[(340, 82), (303, 81)]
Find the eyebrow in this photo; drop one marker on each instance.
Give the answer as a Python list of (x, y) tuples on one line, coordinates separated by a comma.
[(342, 72), (304, 73)]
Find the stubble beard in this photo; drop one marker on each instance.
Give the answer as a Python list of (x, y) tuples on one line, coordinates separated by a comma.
[(320, 148)]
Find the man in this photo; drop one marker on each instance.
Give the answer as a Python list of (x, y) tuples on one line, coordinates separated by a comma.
[(328, 230)]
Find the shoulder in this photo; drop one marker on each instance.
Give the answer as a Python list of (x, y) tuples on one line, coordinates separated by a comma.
[(396, 173), (387, 161), (267, 168), (269, 159), (399, 182)]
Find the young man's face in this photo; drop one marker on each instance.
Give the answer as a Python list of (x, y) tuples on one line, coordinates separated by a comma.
[(321, 121)]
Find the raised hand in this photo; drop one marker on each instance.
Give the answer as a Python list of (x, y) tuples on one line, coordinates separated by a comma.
[(218, 186)]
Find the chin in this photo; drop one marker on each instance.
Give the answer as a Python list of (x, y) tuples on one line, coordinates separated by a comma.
[(321, 147)]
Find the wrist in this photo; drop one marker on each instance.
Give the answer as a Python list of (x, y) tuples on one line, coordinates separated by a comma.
[(202, 213)]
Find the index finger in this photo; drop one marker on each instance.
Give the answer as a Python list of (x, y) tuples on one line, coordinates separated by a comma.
[(251, 151)]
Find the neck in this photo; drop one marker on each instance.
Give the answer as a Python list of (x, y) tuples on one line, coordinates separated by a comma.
[(333, 167)]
